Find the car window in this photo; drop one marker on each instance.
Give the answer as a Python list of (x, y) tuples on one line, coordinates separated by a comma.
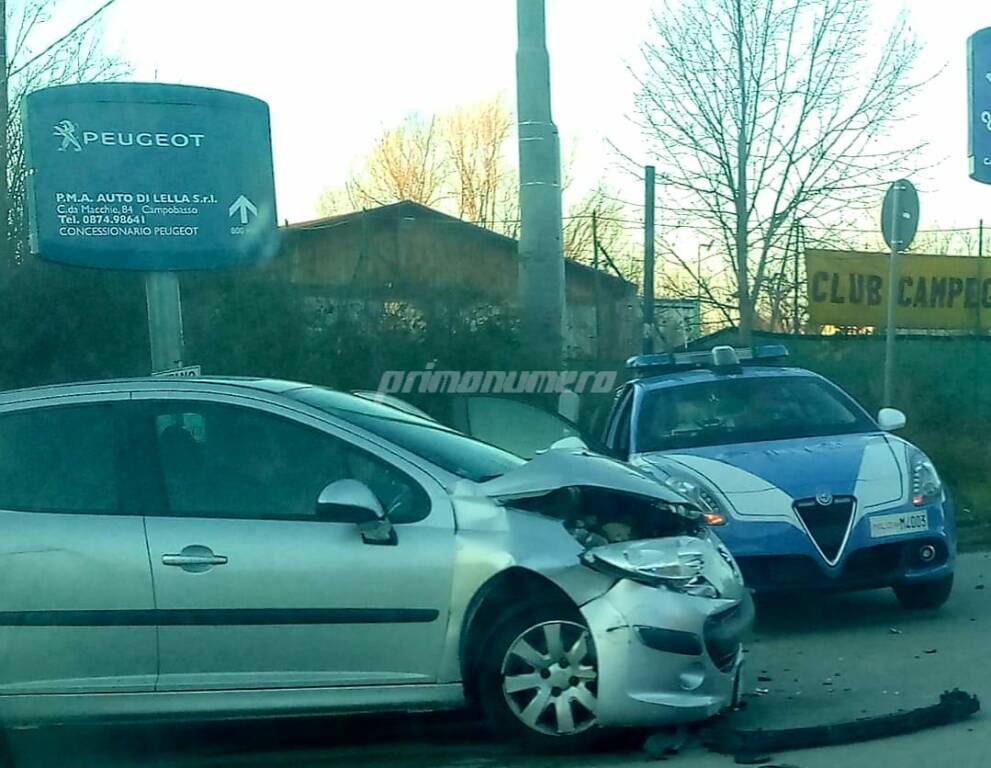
[(515, 426), (745, 410), (59, 460), (219, 460), (452, 451)]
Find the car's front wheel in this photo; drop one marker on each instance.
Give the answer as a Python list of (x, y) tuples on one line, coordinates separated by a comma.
[(924, 595), (538, 679)]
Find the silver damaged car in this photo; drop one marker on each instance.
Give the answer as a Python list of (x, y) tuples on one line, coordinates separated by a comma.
[(222, 547)]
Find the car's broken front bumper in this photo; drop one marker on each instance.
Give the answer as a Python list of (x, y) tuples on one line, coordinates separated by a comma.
[(665, 657)]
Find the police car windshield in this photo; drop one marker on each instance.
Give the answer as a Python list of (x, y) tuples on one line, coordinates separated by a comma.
[(744, 410)]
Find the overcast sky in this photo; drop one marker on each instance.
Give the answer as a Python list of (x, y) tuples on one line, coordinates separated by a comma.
[(337, 72)]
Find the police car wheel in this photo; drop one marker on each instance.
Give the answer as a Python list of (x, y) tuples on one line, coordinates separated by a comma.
[(924, 595)]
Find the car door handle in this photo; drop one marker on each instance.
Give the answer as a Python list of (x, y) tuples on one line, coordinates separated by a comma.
[(195, 559), (183, 560)]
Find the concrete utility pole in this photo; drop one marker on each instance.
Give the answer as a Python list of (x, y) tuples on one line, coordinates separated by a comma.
[(541, 271)]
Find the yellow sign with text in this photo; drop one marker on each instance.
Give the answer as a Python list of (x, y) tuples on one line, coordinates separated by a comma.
[(848, 288)]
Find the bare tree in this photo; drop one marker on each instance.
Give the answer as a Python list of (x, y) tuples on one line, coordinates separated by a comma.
[(475, 139), (759, 112), (407, 163), (610, 225), (459, 162), (945, 242), (35, 59), (454, 161)]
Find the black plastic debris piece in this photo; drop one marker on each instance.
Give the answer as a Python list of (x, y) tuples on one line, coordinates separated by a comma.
[(667, 743), (778, 765), (930, 651), (953, 707), (751, 759), (979, 586), (763, 678)]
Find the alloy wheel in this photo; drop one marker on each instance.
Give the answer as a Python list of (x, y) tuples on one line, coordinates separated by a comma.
[(549, 676)]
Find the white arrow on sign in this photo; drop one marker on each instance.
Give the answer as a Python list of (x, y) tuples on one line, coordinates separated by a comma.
[(243, 206)]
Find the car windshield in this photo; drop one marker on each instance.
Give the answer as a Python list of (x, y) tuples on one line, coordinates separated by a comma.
[(452, 451), (744, 410)]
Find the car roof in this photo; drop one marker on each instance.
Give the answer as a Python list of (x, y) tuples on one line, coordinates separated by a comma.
[(700, 375), (255, 384), (331, 400)]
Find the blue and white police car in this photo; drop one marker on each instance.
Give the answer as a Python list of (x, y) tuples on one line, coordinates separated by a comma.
[(805, 488)]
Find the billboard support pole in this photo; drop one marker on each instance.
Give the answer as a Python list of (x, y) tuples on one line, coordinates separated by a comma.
[(164, 320), (889, 340)]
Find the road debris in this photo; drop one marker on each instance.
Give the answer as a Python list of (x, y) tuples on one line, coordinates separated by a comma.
[(953, 706), (751, 759), (894, 630), (667, 743)]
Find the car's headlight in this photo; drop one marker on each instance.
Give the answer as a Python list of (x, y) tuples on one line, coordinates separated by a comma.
[(926, 484), (699, 495), (655, 563)]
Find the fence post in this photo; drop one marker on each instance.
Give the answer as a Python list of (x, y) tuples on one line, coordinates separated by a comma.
[(981, 393), (980, 272)]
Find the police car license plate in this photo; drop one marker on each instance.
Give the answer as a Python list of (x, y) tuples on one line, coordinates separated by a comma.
[(898, 523)]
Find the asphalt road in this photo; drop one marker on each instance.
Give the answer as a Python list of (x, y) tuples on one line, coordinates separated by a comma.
[(819, 659)]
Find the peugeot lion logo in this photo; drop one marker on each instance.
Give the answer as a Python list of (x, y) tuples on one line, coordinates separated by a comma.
[(824, 499), (66, 130)]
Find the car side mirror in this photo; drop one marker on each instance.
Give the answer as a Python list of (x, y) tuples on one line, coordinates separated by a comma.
[(568, 443), (351, 501), (890, 419)]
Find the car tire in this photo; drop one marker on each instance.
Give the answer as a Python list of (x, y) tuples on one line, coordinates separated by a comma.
[(537, 679), (924, 595)]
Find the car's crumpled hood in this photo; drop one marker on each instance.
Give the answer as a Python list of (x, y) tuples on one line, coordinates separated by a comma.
[(567, 467)]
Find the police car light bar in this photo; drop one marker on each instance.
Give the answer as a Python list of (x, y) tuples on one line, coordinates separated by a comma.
[(723, 358)]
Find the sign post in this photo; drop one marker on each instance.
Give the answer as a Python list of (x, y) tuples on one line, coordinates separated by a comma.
[(151, 177), (899, 222), (164, 320)]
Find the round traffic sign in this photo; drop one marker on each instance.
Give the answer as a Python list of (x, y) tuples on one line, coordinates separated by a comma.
[(900, 215)]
